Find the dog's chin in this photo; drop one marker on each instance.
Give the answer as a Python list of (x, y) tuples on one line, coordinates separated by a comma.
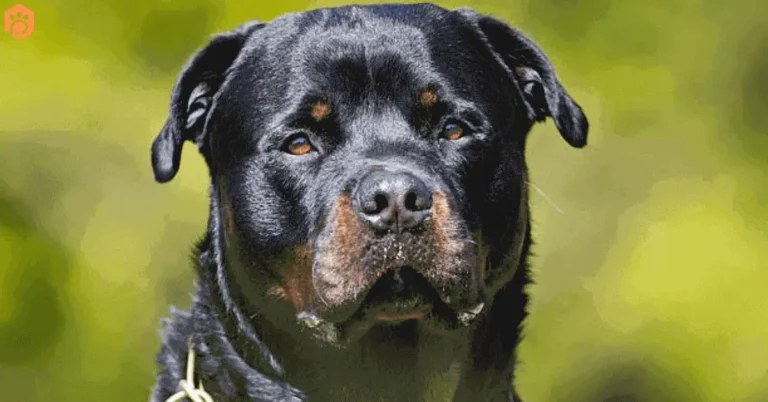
[(400, 294)]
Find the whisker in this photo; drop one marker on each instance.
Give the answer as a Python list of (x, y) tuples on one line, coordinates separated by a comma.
[(314, 286), (543, 195)]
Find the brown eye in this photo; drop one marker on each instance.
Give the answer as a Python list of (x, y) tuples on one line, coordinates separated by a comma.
[(298, 145), (453, 131)]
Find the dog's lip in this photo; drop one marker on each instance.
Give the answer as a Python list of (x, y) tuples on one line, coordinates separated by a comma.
[(342, 334), (399, 294), (414, 315), (398, 309)]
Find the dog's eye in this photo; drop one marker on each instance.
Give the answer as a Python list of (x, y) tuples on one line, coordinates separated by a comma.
[(453, 131), (298, 145)]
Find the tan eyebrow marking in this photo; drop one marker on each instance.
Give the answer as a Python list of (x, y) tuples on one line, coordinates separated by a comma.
[(320, 110), (428, 98)]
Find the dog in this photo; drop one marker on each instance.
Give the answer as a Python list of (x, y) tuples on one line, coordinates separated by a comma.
[(369, 223)]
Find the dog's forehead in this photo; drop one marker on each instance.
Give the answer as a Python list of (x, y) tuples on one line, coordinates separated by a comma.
[(324, 49)]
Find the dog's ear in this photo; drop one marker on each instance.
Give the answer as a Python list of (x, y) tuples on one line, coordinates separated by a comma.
[(535, 76), (192, 98)]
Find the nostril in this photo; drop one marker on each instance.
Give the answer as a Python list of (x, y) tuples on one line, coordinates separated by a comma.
[(410, 201), (381, 203), (417, 201), (375, 205)]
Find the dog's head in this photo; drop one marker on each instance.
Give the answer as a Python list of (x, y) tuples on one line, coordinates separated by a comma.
[(367, 162)]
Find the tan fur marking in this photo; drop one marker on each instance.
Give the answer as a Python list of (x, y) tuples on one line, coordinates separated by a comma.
[(340, 273), (278, 292), (296, 279), (428, 98), (447, 239), (444, 228), (320, 110)]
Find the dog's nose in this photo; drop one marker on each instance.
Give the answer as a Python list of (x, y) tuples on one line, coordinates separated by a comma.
[(393, 201)]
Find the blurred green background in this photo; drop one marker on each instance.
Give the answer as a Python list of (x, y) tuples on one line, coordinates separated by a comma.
[(652, 242)]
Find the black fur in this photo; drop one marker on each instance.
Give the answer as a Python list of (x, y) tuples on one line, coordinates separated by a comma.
[(278, 257)]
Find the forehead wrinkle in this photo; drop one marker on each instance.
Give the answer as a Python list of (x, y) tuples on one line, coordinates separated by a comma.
[(372, 122), (363, 27)]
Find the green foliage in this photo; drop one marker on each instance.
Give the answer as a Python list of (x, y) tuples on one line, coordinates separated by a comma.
[(650, 272)]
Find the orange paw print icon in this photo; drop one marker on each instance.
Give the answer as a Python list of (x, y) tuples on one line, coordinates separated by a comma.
[(19, 21)]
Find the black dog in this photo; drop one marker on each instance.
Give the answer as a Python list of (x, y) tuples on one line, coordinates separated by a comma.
[(368, 228)]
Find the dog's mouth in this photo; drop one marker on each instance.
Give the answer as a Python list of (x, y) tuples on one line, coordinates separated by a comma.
[(400, 294)]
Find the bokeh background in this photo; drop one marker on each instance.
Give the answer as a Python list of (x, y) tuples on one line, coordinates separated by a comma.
[(651, 262)]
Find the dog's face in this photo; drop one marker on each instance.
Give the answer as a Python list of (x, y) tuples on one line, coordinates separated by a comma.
[(367, 162)]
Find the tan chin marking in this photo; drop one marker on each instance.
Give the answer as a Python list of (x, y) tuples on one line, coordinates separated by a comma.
[(295, 279)]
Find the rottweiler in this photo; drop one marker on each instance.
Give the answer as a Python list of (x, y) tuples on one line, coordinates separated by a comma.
[(369, 224)]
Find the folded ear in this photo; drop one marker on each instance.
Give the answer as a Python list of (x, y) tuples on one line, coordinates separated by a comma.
[(192, 98), (535, 76)]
